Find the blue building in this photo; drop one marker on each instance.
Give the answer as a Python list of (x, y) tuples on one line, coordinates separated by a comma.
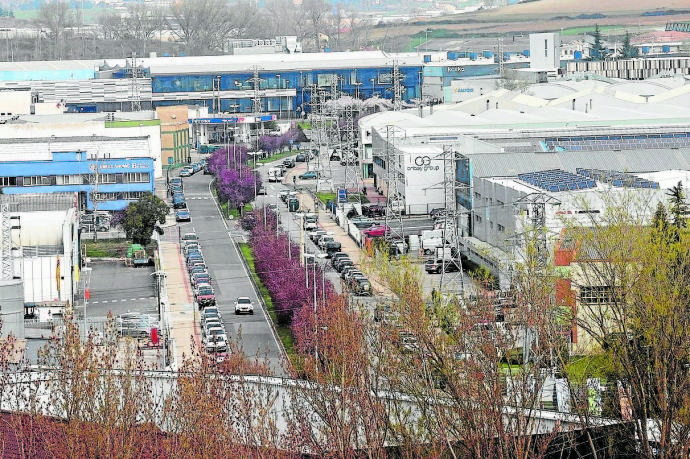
[(101, 183)]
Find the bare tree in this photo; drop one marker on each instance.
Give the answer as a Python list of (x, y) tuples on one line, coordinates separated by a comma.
[(55, 18), (317, 12), (203, 25), (136, 28)]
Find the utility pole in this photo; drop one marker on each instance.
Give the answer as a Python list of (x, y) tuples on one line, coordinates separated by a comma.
[(398, 87), (135, 91), (395, 204), (452, 283)]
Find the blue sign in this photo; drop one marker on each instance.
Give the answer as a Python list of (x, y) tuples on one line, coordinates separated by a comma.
[(342, 195)]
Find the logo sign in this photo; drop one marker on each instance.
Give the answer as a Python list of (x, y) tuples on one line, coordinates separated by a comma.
[(342, 195), (422, 164), (455, 68)]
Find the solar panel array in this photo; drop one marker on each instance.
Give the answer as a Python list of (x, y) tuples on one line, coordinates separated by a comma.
[(557, 180), (617, 142), (618, 179)]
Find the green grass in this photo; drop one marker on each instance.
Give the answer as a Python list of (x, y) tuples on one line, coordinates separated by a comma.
[(110, 248), (325, 197), (284, 332), (121, 124), (278, 156), (589, 29)]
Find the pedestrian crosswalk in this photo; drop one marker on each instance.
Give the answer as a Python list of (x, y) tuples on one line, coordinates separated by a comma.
[(122, 300)]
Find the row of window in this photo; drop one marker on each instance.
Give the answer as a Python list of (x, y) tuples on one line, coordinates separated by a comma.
[(77, 179), (122, 195), (499, 227)]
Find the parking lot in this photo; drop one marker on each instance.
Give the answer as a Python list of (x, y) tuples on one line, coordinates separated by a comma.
[(118, 289)]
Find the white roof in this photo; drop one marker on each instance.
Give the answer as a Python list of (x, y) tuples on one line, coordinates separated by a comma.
[(277, 62)]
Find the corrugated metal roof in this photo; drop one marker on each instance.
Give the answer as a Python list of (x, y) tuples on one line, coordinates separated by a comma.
[(509, 164)]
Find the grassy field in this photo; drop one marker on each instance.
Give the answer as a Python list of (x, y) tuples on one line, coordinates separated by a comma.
[(111, 248)]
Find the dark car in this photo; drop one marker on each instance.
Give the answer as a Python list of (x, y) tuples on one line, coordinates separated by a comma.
[(338, 256), (373, 211), (301, 158), (183, 215), (289, 162), (332, 248), (309, 175), (436, 266), (179, 202)]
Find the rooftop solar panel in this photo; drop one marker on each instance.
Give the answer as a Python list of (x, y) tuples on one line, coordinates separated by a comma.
[(557, 180)]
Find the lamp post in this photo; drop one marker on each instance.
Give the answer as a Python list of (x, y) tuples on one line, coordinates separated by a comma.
[(280, 98), (357, 85)]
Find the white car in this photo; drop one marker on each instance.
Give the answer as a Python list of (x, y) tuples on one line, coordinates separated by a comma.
[(244, 304)]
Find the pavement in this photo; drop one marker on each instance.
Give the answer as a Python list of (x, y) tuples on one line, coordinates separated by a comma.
[(179, 311)]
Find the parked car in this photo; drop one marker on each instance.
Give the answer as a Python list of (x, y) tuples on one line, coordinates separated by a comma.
[(301, 158), (362, 222), (332, 248), (186, 172), (183, 215), (289, 162), (436, 266), (189, 237), (244, 304), (377, 231), (373, 211), (361, 286), (342, 264), (179, 202), (338, 256), (309, 175), (205, 296), (437, 212), (199, 279), (324, 240)]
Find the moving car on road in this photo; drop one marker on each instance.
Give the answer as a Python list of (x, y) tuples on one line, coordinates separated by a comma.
[(310, 175), (244, 305)]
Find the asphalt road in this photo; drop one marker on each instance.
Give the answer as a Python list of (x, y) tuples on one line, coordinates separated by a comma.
[(118, 289), (230, 279)]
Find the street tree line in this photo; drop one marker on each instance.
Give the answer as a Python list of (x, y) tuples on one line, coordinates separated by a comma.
[(443, 354)]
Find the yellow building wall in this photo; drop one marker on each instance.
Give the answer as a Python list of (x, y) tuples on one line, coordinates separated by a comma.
[(175, 142)]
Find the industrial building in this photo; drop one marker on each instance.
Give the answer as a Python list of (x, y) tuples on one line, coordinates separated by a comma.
[(40, 259), (107, 160), (577, 145)]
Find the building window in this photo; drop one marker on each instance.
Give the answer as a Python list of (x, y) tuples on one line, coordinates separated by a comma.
[(107, 178), (132, 195), (477, 218), (491, 225), (8, 181), (100, 196), (596, 294), (36, 180), (501, 228), (68, 180), (499, 203), (477, 195), (137, 177)]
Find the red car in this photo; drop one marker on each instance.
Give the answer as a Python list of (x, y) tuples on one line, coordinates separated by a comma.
[(377, 231)]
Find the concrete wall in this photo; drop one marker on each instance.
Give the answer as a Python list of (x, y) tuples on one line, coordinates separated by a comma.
[(545, 50), (15, 102)]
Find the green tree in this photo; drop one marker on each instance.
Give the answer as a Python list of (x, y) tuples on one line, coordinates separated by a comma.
[(678, 206), (628, 51), (141, 218), (599, 51)]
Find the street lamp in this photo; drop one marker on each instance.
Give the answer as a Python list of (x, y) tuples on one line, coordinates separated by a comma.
[(357, 85), (280, 98)]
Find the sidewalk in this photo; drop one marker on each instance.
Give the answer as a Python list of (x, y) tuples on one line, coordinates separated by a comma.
[(182, 314), (348, 245)]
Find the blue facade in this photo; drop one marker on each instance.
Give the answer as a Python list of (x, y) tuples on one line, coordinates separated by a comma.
[(358, 83), (109, 184)]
